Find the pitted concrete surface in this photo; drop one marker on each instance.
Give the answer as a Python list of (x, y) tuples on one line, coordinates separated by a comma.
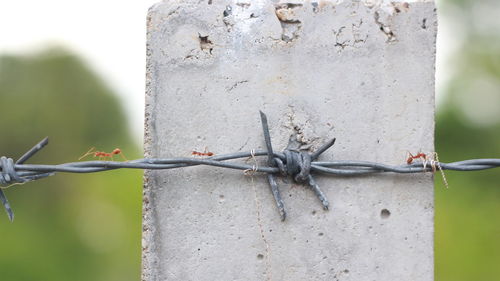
[(360, 71)]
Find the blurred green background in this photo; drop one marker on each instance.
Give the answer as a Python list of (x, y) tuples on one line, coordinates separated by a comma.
[(87, 227), (467, 221), (70, 226)]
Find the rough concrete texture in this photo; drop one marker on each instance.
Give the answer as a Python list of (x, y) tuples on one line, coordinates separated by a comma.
[(360, 71)]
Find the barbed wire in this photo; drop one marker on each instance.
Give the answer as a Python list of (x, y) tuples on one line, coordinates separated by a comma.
[(296, 163)]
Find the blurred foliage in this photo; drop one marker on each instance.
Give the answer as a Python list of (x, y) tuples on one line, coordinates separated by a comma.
[(467, 239), (70, 226)]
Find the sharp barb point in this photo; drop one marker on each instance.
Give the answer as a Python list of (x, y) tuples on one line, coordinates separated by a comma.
[(283, 216), (322, 149), (11, 215), (6, 205), (321, 196), (33, 150)]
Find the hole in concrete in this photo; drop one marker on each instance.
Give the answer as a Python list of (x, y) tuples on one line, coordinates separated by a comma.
[(320, 234), (204, 39), (199, 249), (315, 6), (346, 271), (228, 11), (385, 214), (205, 43), (424, 23), (260, 256), (313, 213), (221, 196)]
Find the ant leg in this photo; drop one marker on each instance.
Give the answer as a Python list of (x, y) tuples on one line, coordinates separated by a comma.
[(123, 156), (425, 160)]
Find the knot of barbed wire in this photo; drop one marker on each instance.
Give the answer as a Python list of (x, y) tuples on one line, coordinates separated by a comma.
[(295, 163), (9, 176)]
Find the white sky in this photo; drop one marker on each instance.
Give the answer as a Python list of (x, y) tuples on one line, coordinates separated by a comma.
[(111, 36)]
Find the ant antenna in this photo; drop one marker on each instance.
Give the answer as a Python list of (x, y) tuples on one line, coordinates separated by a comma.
[(91, 150)]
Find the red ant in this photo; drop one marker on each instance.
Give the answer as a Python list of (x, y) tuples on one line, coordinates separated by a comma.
[(206, 153), (103, 155), (433, 160), (412, 157)]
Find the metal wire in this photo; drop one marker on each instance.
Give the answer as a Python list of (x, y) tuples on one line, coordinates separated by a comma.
[(30, 172), (298, 164)]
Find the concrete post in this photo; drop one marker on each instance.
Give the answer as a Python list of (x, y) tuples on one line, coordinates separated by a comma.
[(360, 71)]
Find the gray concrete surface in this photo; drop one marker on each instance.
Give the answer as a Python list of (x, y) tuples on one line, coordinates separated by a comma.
[(360, 71)]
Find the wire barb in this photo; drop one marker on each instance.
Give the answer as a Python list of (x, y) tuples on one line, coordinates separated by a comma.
[(297, 164), (33, 150), (270, 177)]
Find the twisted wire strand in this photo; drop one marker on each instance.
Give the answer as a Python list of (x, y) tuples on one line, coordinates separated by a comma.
[(12, 173), (29, 172), (298, 164)]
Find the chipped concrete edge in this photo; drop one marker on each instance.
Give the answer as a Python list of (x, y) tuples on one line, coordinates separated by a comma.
[(389, 6), (148, 226)]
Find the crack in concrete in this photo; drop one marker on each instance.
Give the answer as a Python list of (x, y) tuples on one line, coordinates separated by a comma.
[(236, 84), (391, 37), (356, 39)]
